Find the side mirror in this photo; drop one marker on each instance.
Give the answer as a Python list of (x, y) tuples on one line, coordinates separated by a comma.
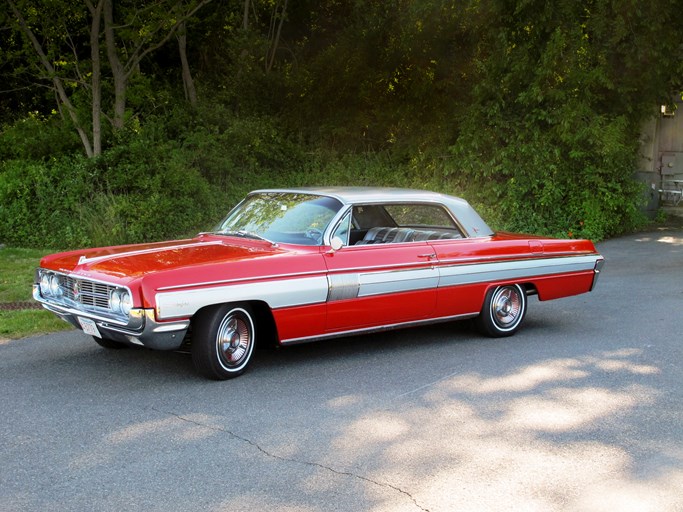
[(336, 243)]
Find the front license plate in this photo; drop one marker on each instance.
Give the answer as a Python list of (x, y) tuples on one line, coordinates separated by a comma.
[(89, 327)]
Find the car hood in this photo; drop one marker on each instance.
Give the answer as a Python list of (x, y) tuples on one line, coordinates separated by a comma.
[(133, 261)]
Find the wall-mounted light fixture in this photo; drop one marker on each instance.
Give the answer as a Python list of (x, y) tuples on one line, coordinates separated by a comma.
[(668, 110)]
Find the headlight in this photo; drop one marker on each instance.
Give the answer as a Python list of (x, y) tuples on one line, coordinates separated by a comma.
[(126, 303), (55, 289), (115, 301), (120, 301), (44, 284)]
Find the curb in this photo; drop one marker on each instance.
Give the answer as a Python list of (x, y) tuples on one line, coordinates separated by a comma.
[(19, 306)]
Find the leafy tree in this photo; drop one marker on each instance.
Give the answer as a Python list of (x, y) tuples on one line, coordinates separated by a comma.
[(57, 36), (52, 32), (531, 109), (136, 33), (560, 95)]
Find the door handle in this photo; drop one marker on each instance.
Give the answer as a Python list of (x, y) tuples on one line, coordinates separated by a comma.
[(428, 256)]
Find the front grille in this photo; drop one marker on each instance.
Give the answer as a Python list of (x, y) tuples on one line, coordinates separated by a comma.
[(79, 295), (88, 293)]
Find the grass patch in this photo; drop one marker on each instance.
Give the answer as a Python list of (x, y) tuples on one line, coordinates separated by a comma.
[(16, 273), (29, 322), (16, 279)]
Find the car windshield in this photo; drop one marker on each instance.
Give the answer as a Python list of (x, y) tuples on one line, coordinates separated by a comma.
[(284, 217)]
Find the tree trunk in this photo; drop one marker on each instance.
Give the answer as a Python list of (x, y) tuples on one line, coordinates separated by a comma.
[(275, 42), (56, 81), (188, 82), (121, 72), (118, 72), (245, 21), (96, 13)]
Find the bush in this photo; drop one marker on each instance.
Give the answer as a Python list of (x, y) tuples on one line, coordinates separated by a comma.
[(233, 151), (536, 181), (37, 138), (39, 200), (131, 194)]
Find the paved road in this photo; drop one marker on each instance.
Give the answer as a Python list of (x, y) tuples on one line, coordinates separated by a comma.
[(581, 411)]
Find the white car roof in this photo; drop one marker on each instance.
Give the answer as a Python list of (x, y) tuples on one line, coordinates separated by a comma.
[(468, 218)]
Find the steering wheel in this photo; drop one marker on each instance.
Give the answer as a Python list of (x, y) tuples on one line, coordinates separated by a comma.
[(315, 235)]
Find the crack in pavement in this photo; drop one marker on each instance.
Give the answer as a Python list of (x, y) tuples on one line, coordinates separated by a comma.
[(295, 461)]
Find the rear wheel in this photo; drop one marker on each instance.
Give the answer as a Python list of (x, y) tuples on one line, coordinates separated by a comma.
[(503, 311), (223, 341)]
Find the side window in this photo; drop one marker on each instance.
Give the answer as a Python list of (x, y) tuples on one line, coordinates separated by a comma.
[(370, 216), (343, 229), (402, 222), (420, 216)]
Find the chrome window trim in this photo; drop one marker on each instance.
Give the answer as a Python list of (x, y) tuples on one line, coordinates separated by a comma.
[(334, 225), (468, 219), (457, 225)]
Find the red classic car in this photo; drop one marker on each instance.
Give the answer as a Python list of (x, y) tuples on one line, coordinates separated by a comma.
[(299, 265)]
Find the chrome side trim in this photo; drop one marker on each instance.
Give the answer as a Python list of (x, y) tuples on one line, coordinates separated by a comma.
[(392, 268), (395, 281), (242, 280), (278, 294), (300, 291), (343, 286), (520, 269), (369, 330)]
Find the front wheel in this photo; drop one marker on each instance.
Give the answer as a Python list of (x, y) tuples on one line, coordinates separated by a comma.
[(223, 341), (503, 311)]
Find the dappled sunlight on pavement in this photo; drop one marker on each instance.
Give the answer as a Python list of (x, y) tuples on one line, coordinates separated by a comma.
[(543, 437), (675, 240), (498, 443)]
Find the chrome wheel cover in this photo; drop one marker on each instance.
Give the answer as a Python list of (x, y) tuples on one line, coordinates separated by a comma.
[(234, 339), (507, 307)]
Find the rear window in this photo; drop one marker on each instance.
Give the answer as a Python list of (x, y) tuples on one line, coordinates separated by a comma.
[(420, 216)]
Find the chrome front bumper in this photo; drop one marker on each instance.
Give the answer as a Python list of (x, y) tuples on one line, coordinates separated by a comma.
[(141, 328)]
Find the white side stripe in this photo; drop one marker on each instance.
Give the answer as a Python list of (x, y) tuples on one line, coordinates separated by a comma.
[(379, 283), (278, 294), (477, 273)]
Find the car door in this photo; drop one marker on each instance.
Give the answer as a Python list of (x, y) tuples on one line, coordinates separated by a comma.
[(380, 284), (464, 266)]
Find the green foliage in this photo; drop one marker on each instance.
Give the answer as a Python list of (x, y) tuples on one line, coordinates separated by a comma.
[(392, 76), (238, 153), (552, 134), (36, 138), (531, 110), (132, 193)]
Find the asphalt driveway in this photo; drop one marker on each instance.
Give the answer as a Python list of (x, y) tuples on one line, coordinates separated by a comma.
[(582, 410)]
